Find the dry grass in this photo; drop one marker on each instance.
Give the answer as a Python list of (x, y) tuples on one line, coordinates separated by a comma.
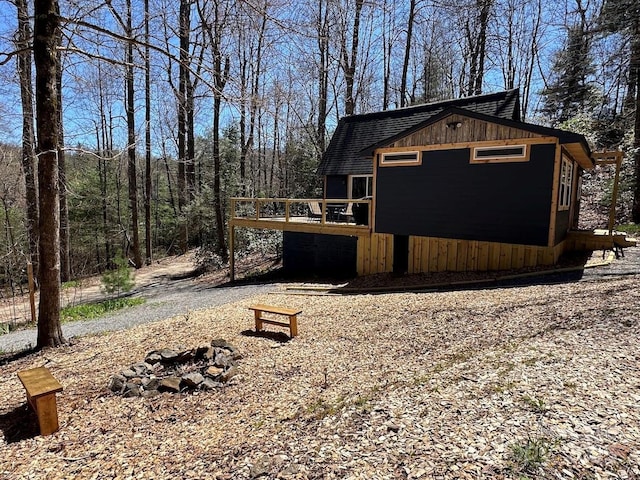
[(416, 385)]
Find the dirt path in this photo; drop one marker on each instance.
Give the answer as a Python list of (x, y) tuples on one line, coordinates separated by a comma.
[(16, 310)]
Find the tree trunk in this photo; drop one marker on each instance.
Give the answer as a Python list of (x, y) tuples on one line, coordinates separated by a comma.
[(634, 74), (147, 139), (46, 25), (183, 78), (407, 54), (323, 73), (28, 137), (221, 78), (131, 147), (349, 62), (65, 244)]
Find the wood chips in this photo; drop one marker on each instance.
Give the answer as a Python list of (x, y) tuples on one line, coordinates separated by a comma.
[(527, 382)]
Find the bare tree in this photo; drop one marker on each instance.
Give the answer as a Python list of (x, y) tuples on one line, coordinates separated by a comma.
[(65, 243), (407, 53), (131, 140), (46, 25), (147, 139), (214, 22), (349, 56), (23, 44)]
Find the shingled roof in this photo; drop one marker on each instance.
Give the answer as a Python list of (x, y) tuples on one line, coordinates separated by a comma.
[(357, 132)]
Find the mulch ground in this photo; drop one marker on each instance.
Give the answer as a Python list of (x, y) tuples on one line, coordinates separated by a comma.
[(539, 381)]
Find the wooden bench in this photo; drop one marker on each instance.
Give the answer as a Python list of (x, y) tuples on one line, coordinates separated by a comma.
[(41, 389), (292, 325)]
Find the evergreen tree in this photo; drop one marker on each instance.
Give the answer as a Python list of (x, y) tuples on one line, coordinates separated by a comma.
[(569, 91), (623, 17)]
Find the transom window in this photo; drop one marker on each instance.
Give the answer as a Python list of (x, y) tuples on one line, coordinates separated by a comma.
[(400, 158), (500, 153), (566, 182), (360, 186)]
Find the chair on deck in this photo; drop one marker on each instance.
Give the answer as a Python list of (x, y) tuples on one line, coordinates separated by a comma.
[(315, 212), (346, 215)]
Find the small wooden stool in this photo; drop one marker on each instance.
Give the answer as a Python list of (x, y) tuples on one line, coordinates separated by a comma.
[(292, 325), (41, 389)]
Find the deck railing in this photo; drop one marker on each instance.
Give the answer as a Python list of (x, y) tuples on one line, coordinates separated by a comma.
[(303, 210)]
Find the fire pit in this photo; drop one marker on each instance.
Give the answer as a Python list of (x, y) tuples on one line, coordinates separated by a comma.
[(202, 368)]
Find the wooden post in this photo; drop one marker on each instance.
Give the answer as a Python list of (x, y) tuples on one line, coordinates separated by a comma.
[(32, 292), (614, 195), (611, 158), (232, 262)]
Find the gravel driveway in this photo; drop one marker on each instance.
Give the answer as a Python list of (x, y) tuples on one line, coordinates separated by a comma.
[(167, 298), (164, 299)]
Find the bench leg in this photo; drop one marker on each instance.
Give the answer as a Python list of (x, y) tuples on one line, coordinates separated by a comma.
[(258, 318), (293, 325), (47, 411)]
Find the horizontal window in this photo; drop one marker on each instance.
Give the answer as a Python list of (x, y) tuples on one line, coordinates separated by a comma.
[(500, 153), (400, 158)]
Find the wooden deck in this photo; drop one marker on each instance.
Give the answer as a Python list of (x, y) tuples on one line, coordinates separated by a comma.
[(295, 215), (598, 240)]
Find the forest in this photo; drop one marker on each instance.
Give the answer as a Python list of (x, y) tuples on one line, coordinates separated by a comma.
[(160, 111)]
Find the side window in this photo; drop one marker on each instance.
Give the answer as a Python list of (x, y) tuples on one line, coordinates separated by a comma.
[(400, 159), (566, 181), (501, 153), (361, 186)]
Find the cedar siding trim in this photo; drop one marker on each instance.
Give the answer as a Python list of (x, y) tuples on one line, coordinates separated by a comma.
[(469, 145), (396, 158), (555, 194), (500, 153)]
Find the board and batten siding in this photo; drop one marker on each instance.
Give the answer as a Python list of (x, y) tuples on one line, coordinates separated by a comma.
[(430, 255), (470, 130)]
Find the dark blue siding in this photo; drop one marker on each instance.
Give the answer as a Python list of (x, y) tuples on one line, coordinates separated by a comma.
[(448, 197), (336, 186), (311, 253), (562, 225)]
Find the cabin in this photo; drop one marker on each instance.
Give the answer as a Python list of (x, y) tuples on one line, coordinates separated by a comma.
[(457, 185)]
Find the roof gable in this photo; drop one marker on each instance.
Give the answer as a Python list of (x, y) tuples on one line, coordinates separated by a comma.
[(476, 127), (357, 132)]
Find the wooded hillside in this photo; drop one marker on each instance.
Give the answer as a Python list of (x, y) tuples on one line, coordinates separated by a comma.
[(167, 109)]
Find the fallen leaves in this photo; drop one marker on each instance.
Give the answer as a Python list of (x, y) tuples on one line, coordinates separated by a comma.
[(414, 385)]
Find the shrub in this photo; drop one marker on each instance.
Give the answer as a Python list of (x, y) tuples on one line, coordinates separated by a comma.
[(118, 280)]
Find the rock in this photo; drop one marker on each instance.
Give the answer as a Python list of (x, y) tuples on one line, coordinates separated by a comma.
[(228, 373), (222, 360), (131, 390), (150, 383), (153, 358), (141, 368), (128, 373), (185, 356), (213, 371), (210, 384), (149, 393), (168, 356), (192, 379), (117, 383), (201, 351), (220, 343), (169, 384)]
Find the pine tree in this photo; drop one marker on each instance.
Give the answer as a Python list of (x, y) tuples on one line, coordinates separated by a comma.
[(569, 91)]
